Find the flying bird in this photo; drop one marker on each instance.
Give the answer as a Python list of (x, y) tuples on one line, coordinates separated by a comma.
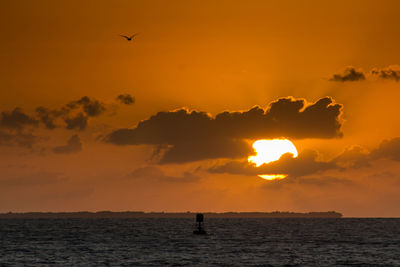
[(129, 38)]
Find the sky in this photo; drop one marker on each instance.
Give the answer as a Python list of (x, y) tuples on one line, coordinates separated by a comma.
[(165, 122)]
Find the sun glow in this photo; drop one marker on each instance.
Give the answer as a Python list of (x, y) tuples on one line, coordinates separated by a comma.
[(269, 151), (272, 176)]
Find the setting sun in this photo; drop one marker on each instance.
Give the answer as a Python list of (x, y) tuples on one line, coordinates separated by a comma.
[(158, 114), (269, 151)]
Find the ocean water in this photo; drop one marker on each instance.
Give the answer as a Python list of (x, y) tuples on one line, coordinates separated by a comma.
[(170, 242)]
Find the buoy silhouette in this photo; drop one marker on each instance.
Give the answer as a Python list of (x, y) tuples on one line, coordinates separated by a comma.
[(199, 220)]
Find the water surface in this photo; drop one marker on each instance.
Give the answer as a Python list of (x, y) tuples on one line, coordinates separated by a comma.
[(170, 242)]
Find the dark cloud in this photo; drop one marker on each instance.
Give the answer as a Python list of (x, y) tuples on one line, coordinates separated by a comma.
[(307, 163), (49, 116), (350, 74), (92, 108), (14, 125), (78, 122), (126, 99), (389, 73), (388, 149), (14, 131), (18, 138), (152, 173), (16, 119), (353, 157), (193, 135), (75, 113), (194, 150), (73, 145)]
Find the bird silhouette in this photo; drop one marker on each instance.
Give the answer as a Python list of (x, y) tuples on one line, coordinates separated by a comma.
[(129, 38)]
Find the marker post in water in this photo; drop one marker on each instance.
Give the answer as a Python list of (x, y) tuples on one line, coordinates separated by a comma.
[(199, 221)]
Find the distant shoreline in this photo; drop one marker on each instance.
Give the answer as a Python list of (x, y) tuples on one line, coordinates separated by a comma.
[(141, 214)]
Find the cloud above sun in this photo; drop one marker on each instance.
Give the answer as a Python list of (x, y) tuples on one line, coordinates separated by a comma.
[(185, 136)]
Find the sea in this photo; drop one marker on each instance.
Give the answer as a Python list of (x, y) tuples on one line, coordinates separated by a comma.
[(229, 242)]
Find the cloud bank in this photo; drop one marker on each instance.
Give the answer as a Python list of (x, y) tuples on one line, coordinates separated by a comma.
[(17, 127), (193, 135), (16, 119), (308, 163), (305, 164)]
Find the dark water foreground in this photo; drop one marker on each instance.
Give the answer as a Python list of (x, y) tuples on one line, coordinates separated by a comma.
[(232, 242)]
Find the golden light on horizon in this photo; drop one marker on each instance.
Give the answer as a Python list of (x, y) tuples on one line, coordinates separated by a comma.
[(269, 151), (273, 176)]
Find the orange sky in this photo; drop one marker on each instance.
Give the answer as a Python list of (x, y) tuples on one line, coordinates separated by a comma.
[(209, 56)]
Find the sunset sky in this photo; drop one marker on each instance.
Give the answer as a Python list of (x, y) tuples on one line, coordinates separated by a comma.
[(166, 122)]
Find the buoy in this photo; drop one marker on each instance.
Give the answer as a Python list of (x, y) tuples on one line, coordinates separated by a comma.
[(199, 220)]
